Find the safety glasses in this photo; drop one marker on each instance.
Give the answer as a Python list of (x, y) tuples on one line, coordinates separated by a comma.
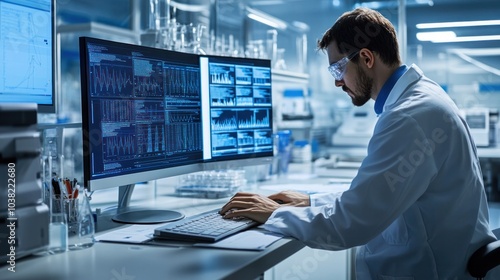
[(337, 69)]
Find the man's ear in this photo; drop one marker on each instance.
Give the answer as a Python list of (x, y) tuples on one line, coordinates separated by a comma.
[(367, 57)]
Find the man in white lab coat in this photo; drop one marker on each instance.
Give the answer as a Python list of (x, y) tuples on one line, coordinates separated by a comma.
[(417, 207)]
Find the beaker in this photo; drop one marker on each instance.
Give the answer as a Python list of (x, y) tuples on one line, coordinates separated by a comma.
[(191, 38), (80, 221)]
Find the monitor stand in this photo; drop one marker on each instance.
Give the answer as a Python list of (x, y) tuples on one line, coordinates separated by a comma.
[(126, 214)]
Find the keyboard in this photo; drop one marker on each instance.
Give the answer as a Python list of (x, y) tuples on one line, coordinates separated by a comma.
[(205, 227)]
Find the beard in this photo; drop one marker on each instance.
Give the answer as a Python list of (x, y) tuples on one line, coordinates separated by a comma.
[(364, 87)]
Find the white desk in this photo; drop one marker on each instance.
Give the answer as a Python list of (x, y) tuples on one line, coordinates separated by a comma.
[(125, 261), (286, 257), (169, 260)]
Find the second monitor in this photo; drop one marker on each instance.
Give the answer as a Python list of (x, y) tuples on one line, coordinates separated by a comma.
[(236, 108)]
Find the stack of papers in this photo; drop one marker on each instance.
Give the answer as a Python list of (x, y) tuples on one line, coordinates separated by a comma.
[(130, 234), (253, 239)]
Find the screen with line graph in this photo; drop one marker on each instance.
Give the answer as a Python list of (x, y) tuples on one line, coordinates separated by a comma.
[(27, 53), (152, 113), (141, 111)]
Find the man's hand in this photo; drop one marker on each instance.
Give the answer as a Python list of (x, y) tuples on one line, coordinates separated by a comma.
[(256, 207), (291, 198), (259, 208)]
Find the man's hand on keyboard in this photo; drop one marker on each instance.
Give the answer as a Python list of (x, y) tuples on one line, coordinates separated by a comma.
[(291, 198), (253, 206)]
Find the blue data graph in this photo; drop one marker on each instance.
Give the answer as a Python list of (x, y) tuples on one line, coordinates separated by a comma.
[(111, 80), (222, 74), (254, 118), (183, 131), (224, 120), (182, 81), (118, 141), (148, 78)]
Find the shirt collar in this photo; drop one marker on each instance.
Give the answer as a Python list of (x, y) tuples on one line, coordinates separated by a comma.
[(386, 89)]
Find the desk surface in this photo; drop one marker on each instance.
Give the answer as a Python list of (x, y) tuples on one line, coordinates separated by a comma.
[(126, 261), (166, 261)]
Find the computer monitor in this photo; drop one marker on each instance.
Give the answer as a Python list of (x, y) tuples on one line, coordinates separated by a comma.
[(237, 111), (478, 120), (27, 52), (152, 113)]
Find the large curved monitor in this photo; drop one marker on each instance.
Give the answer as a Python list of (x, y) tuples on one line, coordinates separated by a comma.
[(27, 53), (141, 113), (152, 113)]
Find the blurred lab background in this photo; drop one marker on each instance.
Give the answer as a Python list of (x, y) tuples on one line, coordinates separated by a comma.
[(462, 55)]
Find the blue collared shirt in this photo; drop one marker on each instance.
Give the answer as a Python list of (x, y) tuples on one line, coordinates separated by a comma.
[(386, 89)]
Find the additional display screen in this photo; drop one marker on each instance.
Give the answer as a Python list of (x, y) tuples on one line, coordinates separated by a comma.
[(147, 109), (239, 108), (27, 52), (476, 121)]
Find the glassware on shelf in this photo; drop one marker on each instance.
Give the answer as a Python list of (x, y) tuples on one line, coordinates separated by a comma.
[(183, 37), (191, 38), (280, 63), (151, 36), (211, 184), (272, 44), (161, 27), (301, 43), (255, 49)]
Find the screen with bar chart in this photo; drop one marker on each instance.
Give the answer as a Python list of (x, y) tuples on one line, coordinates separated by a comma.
[(238, 107), (151, 113)]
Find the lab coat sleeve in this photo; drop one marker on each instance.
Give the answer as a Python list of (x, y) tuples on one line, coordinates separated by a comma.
[(319, 199), (396, 171)]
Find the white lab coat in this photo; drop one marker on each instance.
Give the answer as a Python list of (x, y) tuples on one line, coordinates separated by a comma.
[(417, 207)]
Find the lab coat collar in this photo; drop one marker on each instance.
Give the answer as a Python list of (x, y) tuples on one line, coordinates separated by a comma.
[(410, 76), (387, 88)]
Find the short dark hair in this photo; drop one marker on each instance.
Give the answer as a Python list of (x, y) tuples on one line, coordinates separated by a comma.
[(364, 28)]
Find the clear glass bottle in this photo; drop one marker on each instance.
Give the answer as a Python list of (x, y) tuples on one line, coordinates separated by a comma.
[(81, 225)]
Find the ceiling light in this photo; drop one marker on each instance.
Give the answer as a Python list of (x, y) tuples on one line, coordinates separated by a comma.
[(450, 37), (458, 24), (266, 19), (478, 51), (393, 4), (468, 39), (433, 36)]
